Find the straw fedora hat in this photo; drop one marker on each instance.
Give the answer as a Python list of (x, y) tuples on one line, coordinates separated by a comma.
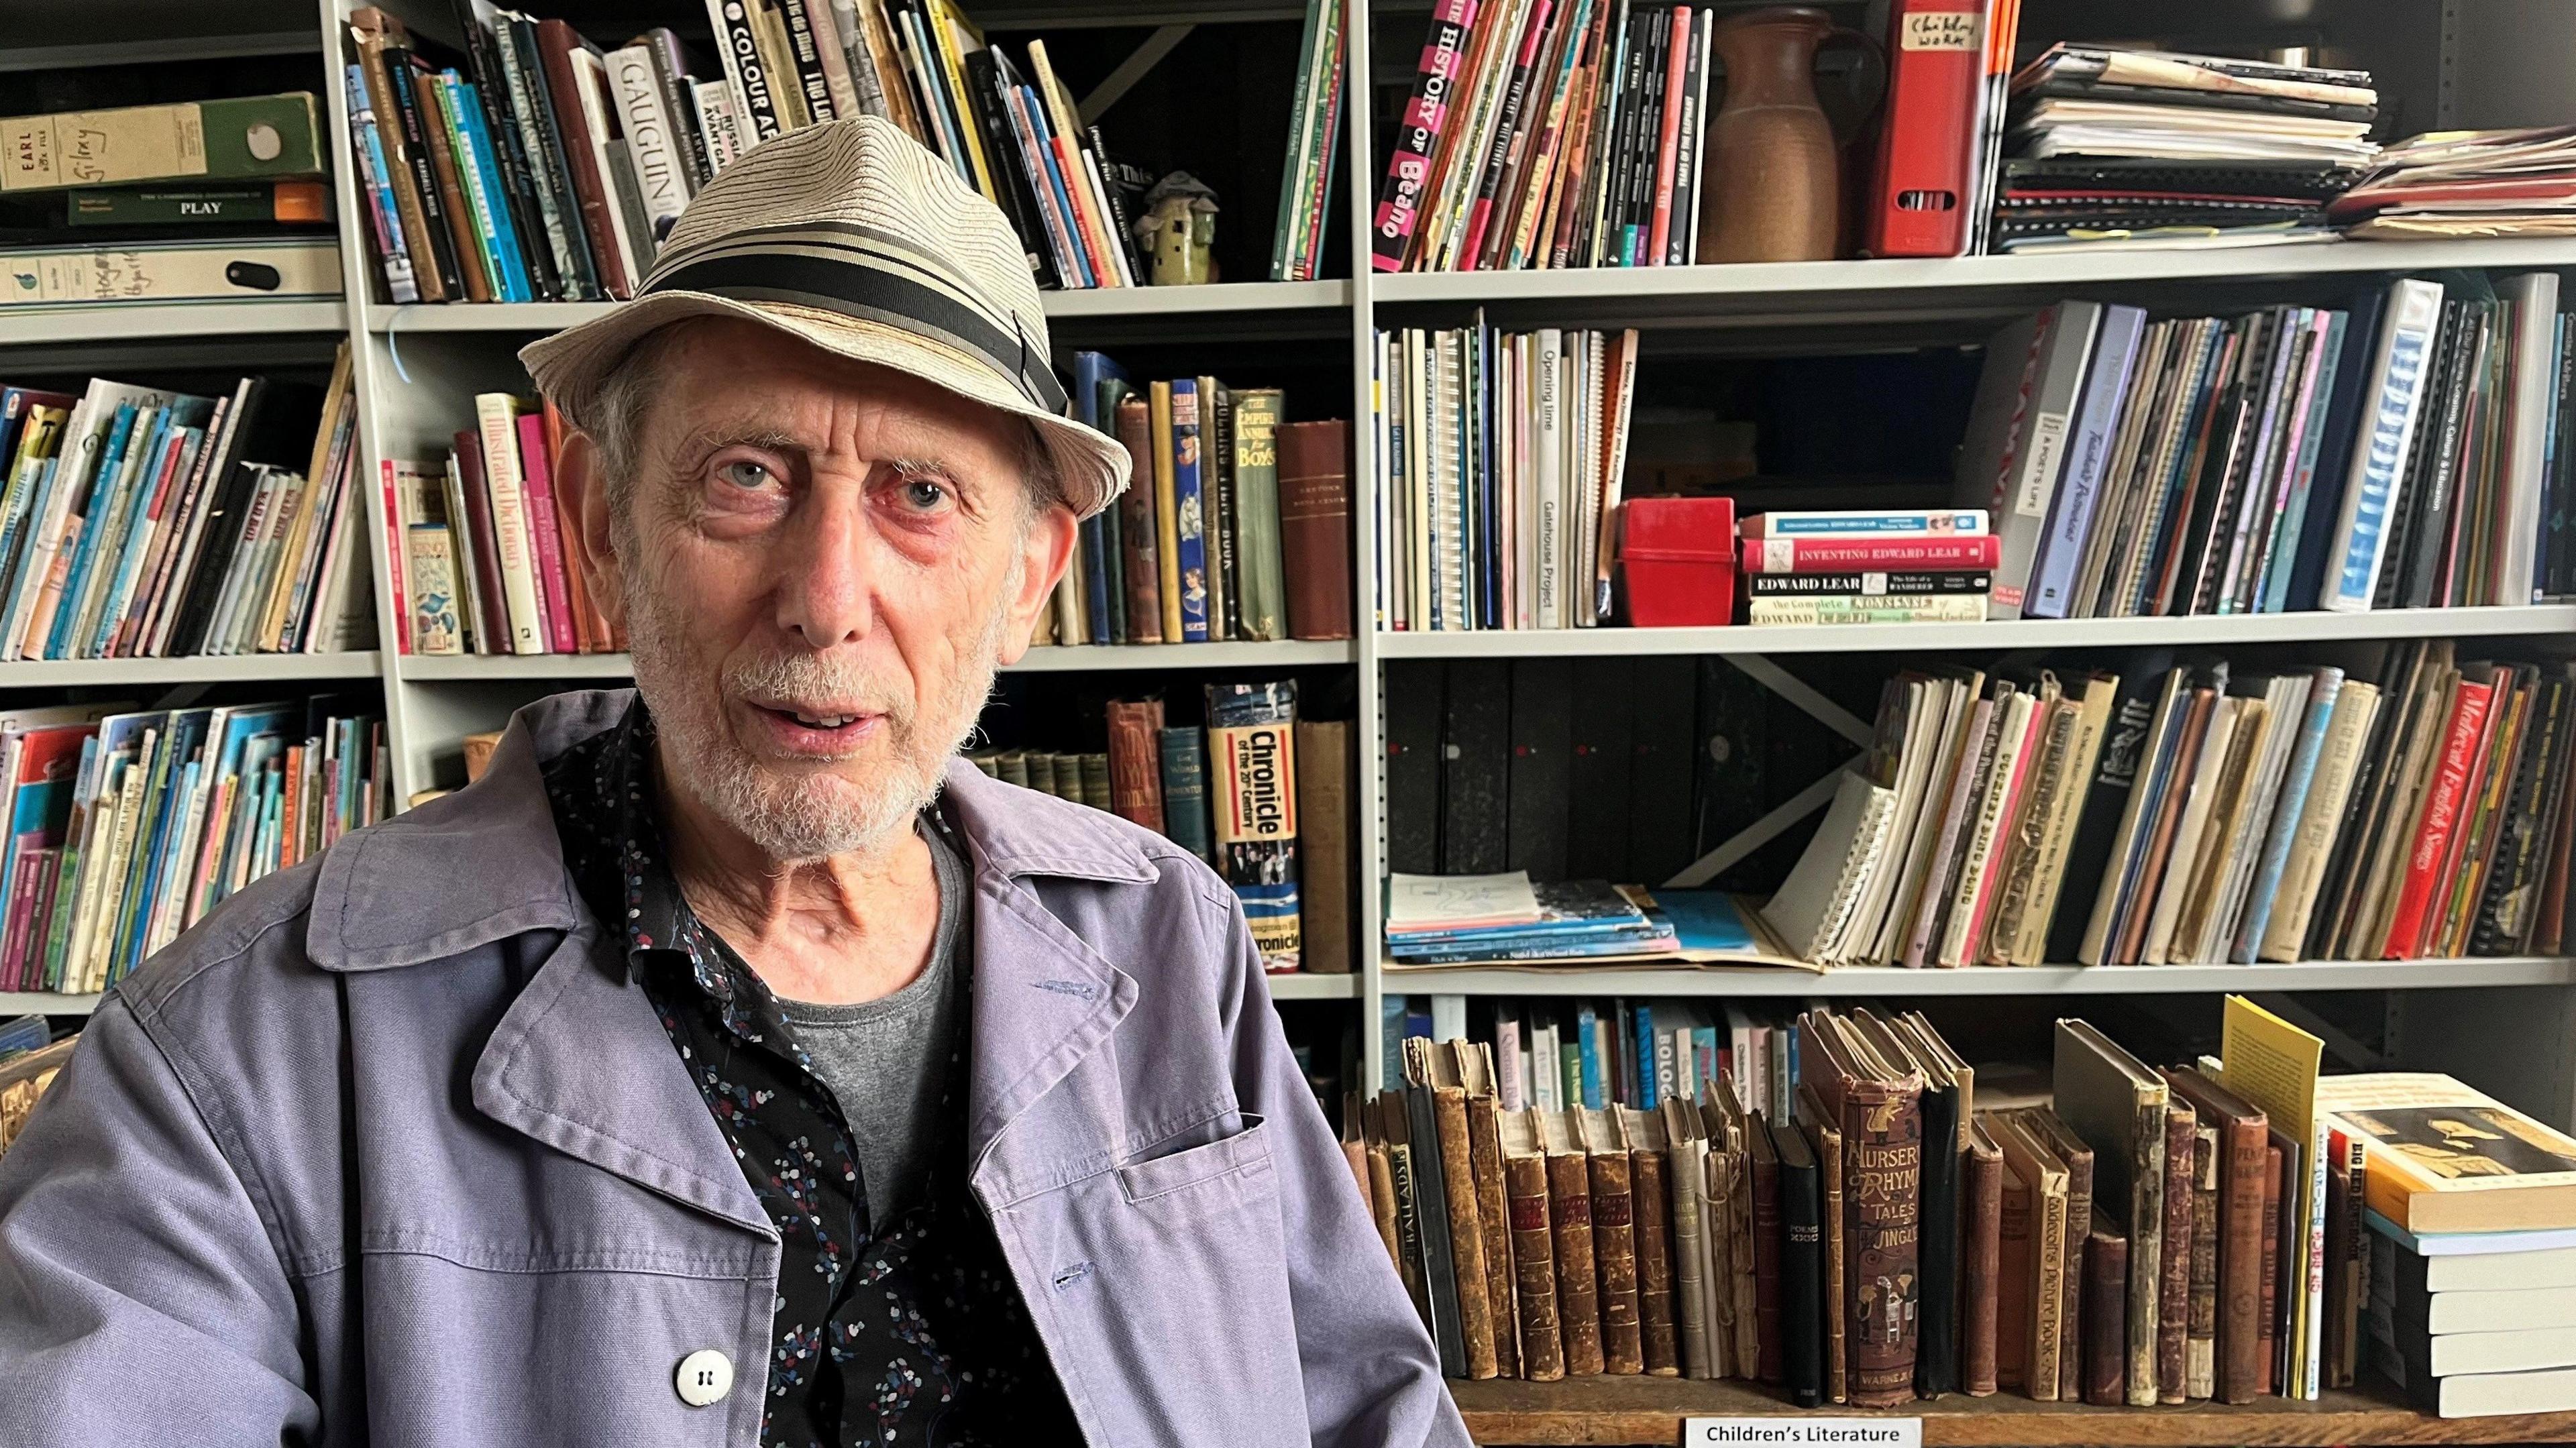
[(851, 237)]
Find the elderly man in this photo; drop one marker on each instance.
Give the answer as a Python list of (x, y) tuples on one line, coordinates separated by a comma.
[(731, 1065)]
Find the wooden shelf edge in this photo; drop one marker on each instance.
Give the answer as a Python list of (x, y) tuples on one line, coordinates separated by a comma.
[(1651, 1410)]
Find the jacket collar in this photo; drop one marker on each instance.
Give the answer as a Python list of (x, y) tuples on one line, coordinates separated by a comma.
[(493, 865)]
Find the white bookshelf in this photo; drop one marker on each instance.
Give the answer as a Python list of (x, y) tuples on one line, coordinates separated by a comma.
[(417, 368)]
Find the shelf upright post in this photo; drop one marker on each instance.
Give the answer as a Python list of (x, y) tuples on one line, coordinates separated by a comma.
[(1369, 808)]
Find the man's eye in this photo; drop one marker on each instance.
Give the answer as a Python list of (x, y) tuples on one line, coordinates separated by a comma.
[(924, 494), (747, 474)]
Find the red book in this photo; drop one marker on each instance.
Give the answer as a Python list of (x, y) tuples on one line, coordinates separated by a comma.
[(1668, 146), (556, 42), (1417, 135), (394, 556), (1919, 202), (1835, 555), (487, 544), (2441, 814), (537, 476)]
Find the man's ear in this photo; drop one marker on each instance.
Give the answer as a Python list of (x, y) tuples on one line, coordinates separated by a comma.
[(578, 473), (1046, 551)]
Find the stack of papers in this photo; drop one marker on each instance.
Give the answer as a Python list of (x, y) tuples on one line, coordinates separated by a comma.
[(2130, 146), (1452, 920), (2468, 183)]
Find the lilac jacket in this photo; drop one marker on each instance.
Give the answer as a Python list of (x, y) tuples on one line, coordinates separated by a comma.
[(388, 1151)]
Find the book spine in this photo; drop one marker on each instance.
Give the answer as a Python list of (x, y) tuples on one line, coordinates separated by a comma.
[(557, 43), (1252, 758), (2070, 510), (1578, 1297), (1185, 811), (1485, 1157), (1845, 608), (1135, 763), (2175, 1266), (659, 157), (2200, 1371), (1657, 1330), (1262, 567), (558, 206), (1981, 1274), (1315, 528), (1822, 555), (1801, 1284), (434, 271), (2394, 398), (813, 78), (497, 416), (737, 40), (1542, 1346), (1418, 134), (1883, 1172), (545, 539), (1867, 584), (2267, 1318), (2106, 1286), (1667, 139), (2437, 822), (1614, 1253), (1466, 1232), (481, 172)]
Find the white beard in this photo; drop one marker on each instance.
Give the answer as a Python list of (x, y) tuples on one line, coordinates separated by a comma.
[(797, 815)]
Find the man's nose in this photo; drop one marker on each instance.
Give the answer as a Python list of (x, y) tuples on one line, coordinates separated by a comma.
[(827, 594)]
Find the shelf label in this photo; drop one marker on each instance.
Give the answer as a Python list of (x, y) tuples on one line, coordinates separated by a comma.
[(1799, 1432)]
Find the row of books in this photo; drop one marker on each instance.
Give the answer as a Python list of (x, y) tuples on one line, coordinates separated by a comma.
[(481, 543), (2182, 814), (1877, 1221), (2404, 453), (1847, 565), (143, 522), (126, 826), (1551, 135), (1236, 525), (2116, 146), (1499, 460)]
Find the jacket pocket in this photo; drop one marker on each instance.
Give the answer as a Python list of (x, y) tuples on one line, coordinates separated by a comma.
[(1166, 1172)]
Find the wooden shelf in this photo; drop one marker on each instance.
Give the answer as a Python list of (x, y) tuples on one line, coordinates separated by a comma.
[(1638, 1410), (1996, 634)]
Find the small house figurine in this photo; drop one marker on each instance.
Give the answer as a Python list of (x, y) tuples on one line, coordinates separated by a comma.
[(1179, 230)]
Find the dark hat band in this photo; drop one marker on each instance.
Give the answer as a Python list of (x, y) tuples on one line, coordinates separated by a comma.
[(855, 283)]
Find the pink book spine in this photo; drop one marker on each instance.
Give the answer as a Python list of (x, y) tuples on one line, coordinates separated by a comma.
[(1668, 146), (1417, 139), (537, 469), (1985, 901), (29, 849), (394, 559)]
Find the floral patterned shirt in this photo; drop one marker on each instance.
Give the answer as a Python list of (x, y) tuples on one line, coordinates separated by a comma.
[(898, 1332)]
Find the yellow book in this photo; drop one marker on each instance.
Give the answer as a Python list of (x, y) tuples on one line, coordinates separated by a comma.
[(1167, 525), (954, 35), (2273, 1065), (2441, 1157)]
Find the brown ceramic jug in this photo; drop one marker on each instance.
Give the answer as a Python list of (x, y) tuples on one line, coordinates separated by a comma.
[(1772, 164)]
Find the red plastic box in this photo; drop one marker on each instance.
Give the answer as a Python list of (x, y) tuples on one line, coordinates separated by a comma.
[(1679, 558)]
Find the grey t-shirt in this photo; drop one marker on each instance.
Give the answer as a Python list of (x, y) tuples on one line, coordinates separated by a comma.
[(884, 1059)]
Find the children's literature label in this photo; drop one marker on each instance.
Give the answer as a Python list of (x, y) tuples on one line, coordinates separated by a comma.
[(1802, 1432)]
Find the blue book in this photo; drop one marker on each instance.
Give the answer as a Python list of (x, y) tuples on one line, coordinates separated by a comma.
[(491, 204), (119, 502), (1703, 1059), (2395, 395), (1099, 564), (2272, 589), (1647, 1094), (1390, 1042), (2088, 456), (92, 512), (186, 433), (1033, 113), (1189, 510), (179, 740), (2285, 815), (1587, 1041)]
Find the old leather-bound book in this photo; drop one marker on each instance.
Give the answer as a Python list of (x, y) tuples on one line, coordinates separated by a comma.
[(2048, 1336), (1475, 1060), (1569, 1206), (1432, 1073), (1650, 1202), (1685, 1173), (1614, 1240), (2106, 1307), (1542, 1345), (2244, 1135), (1801, 1268), (1381, 1184), (1136, 761), (2077, 1158), (2200, 1364), (1949, 1092), (2015, 1293), (1772, 1366), (1315, 526), (1411, 1250), (1726, 1119), (2173, 1300), (1825, 1138), (1981, 1202), (2268, 1334), (1880, 1108), (2117, 1105)]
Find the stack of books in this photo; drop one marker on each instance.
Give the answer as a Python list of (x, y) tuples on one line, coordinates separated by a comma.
[(137, 522), (2403, 452), (1499, 461), (1550, 135), (2467, 183), (2138, 147), (480, 543), (1236, 525), (127, 827), (2187, 815), (190, 201), (2467, 1208), (1829, 566), (1454, 919)]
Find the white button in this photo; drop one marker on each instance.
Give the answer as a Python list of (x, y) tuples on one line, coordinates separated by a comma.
[(705, 1376)]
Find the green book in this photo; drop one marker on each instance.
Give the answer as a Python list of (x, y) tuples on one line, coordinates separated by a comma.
[(242, 139), (303, 203), (1259, 569)]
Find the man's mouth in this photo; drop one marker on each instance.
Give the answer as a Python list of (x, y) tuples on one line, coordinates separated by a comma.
[(816, 729)]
